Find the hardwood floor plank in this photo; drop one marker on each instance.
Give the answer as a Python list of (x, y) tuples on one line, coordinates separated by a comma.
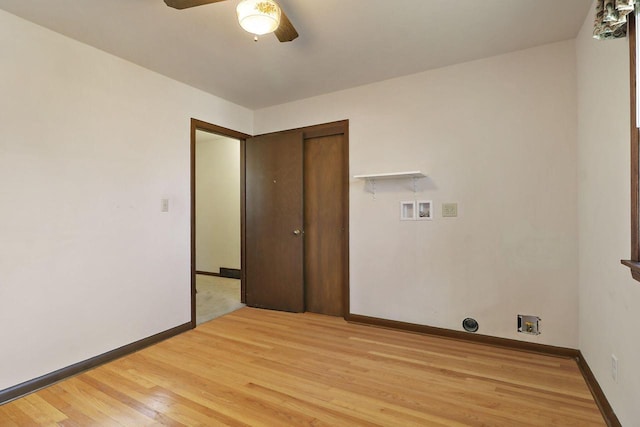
[(319, 410), (39, 410), (128, 396), (60, 398), (265, 368), (12, 415), (99, 405)]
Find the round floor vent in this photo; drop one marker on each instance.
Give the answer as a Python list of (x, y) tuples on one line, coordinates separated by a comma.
[(470, 325)]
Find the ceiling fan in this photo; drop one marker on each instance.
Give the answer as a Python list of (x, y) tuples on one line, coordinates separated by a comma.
[(285, 32)]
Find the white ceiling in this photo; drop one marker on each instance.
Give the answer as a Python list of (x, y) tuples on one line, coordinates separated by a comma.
[(342, 43)]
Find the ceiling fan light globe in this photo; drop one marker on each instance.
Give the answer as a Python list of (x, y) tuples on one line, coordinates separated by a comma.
[(259, 16)]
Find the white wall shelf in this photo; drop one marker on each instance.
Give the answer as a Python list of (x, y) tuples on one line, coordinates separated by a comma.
[(391, 175), (372, 177)]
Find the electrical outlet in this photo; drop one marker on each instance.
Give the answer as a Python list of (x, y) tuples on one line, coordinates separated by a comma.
[(614, 368), (449, 210)]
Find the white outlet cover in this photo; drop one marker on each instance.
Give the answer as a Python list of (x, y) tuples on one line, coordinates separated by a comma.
[(449, 210)]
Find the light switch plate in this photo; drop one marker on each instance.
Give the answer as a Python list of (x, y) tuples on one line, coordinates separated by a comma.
[(449, 210), (164, 205)]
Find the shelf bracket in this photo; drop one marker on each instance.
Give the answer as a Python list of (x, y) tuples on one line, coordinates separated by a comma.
[(372, 185)]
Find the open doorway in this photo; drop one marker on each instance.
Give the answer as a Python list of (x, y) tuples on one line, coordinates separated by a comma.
[(217, 201)]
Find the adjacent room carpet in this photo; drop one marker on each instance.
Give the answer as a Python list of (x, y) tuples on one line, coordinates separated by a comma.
[(216, 296)]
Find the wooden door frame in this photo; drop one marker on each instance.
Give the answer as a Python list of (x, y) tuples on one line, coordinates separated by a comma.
[(340, 127), (327, 129), (242, 137)]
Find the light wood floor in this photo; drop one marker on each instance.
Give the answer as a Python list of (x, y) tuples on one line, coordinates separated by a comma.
[(263, 368)]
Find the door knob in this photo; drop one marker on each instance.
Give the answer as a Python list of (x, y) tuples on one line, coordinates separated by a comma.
[(297, 232)]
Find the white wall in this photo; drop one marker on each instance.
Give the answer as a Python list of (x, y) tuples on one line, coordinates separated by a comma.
[(89, 145), (217, 202), (609, 297), (498, 136)]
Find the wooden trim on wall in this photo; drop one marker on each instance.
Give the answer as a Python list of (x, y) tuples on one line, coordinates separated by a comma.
[(208, 273), (598, 395), (35, 384), (316, 131), (220, 130), (465, 336), (192, 190), (345, 179), (634, 262), (242, 137), (229, 273), (635, 184), (346, 290), (243, 222), (326, 129), (596, 391)]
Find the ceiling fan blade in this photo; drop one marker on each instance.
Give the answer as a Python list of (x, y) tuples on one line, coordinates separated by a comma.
[(185, 4), (285, 31)]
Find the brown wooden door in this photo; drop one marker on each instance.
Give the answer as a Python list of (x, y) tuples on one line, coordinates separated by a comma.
[(324, 223), (274, 222)]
